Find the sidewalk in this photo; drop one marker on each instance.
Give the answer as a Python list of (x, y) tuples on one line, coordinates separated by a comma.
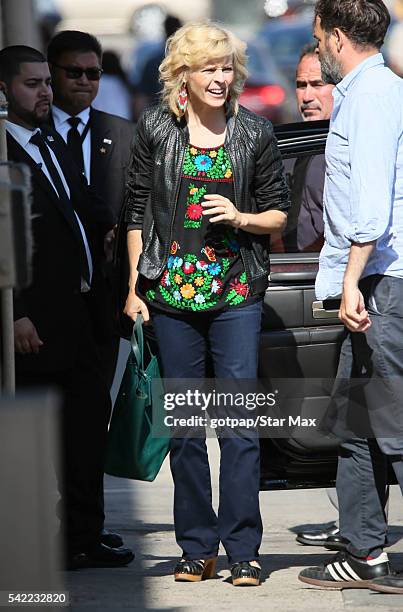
[(142, 513)]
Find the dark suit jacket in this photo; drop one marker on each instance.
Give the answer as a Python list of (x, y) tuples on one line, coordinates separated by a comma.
[(53, 301), (111, 139), (305, 229), (108, 169)]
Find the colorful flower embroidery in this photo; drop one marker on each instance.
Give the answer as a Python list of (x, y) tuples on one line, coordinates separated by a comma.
[(216, 286), (165, 282), (199, 282), (188, 291), (239, 291), (194, 210), (240, 288), (177, 262), (214, 269), (188, 267), (198, 285), (203, 163), (207, 164)]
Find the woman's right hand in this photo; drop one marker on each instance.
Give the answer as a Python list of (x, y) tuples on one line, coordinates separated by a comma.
[(134, 306)]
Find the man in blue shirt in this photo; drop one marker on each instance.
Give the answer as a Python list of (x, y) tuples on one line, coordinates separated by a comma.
[(362, 261)]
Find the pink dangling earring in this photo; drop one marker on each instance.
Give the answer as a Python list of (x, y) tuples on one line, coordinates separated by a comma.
[(183, 99)]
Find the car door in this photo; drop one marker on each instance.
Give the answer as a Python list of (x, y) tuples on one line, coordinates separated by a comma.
[(301, 336)]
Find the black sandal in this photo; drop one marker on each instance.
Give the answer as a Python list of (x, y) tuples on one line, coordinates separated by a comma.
[(195, 570), (245, 574)]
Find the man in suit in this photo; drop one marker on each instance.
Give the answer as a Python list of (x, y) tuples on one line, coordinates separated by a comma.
[(56, 314), (315, 102), (100, 142)]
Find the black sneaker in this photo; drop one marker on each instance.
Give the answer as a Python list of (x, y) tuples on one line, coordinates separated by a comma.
[(336, 542), (347, 572), (317, 537), (391, 583)]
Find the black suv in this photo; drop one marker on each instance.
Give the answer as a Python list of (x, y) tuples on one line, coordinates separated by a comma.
[(301, 337)]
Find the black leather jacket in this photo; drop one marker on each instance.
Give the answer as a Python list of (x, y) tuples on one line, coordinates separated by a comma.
[(154, 180)]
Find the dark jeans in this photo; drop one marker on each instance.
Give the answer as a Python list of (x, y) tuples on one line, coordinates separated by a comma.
[(363, 462), (233, 340)]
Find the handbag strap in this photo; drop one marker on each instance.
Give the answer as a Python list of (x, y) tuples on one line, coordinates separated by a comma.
[(137, 342)]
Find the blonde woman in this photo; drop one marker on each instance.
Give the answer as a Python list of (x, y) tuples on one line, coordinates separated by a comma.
[(205, 190)]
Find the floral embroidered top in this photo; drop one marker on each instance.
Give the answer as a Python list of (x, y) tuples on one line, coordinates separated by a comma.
[(204, 270)]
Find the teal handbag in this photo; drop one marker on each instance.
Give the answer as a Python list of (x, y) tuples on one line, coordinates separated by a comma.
[(132, 449)]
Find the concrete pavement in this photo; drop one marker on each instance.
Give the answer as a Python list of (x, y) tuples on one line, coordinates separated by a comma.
[(142, 513)]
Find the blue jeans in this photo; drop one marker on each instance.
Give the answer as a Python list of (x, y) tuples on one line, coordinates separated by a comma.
[(233, 340)]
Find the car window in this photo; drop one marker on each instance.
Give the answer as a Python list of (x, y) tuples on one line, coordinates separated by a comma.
[(305, 176)]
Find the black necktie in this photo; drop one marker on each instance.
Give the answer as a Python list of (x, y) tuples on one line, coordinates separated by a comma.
[(74, 142), (37, 139)]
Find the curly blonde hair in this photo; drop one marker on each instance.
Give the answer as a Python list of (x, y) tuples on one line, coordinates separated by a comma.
[(194, 45)]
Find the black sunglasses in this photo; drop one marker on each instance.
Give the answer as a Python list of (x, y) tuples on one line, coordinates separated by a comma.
[(74, 72)]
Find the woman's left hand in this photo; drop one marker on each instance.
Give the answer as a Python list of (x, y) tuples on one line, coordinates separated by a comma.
[(224, 210)]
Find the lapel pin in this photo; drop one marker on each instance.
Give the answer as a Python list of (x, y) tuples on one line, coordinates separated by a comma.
[(107, 141), (50, 139), (102, 150)]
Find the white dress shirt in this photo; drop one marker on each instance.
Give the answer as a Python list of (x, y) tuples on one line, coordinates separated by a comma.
[(22, 136), (62, 125)]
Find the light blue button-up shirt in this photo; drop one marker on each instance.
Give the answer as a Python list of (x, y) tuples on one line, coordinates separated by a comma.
[(363, 195)]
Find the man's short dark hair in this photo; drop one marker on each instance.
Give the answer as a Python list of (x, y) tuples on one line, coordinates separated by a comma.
[(365, 22), (171, 25), (73, 41), (13, 56), (309, 49)]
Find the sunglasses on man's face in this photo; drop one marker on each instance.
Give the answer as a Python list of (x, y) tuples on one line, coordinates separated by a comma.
[(74, 72)]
